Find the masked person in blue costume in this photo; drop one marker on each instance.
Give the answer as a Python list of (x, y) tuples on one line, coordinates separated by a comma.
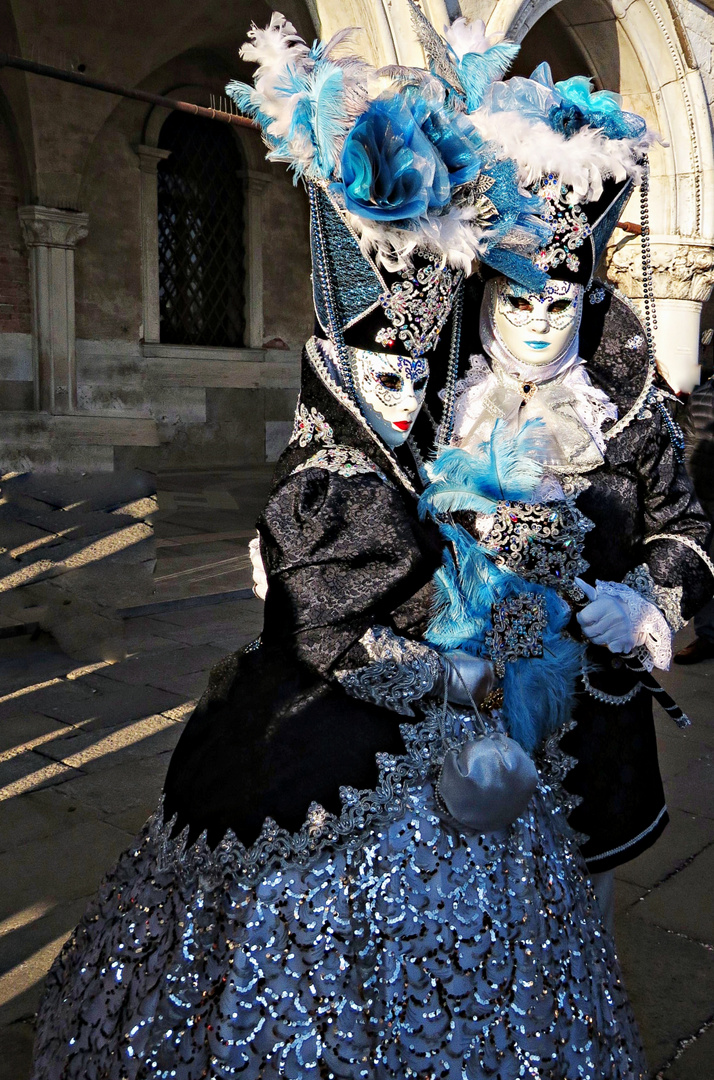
[(610, 519), (354, 873)]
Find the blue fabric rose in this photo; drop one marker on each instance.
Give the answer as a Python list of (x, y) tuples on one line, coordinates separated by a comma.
[(390, 170), (404, 155)]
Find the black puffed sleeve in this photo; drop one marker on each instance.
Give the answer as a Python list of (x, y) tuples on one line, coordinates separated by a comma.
[(676, 529), (342, 554)]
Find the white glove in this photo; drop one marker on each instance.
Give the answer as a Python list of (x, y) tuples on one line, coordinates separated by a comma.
[(467, 674), (607, 621), (622, 620), (260, 580)]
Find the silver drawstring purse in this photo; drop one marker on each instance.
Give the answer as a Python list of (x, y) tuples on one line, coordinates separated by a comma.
[(485, 784)]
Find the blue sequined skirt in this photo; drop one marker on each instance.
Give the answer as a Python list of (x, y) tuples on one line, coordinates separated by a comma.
[(415, 951)]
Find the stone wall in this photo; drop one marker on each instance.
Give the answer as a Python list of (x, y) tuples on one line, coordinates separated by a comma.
[(16, 390), (80, 150)]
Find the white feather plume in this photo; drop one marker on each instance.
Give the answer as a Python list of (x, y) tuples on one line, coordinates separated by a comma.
[(583, 161), (470, 37)]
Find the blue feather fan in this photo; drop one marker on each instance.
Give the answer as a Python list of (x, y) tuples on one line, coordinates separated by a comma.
[(538, 691), (504, 469)]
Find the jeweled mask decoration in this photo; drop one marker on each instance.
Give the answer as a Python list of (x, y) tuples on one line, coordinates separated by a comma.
[(536, 328), (390, 391)]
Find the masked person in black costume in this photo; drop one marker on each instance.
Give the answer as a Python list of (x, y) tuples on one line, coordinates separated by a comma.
[(307, 902)]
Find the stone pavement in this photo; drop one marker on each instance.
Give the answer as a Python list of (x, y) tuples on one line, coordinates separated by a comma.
[(84, 747)]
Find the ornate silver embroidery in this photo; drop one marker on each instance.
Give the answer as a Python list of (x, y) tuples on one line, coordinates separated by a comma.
[(668, 600), (310, 424), (542, 543), (401, 671), (517, 630), (345, 460), (571, 226), (417, 306), (276, 846), (596, 295)]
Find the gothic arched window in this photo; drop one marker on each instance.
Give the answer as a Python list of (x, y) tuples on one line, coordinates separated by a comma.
[(201, 244)]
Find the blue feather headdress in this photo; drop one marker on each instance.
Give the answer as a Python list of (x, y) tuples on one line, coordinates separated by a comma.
[(406, 165)]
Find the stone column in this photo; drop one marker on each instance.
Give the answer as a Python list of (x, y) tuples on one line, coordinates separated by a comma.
[(255, 185), (149, 158), (52, 235), (682, 278)]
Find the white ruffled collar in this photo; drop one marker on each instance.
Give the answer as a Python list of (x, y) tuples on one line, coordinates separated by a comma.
[(572, 409)]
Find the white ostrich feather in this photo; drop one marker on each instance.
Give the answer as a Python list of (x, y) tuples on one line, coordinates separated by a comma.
[(581, 162), (470, 37)]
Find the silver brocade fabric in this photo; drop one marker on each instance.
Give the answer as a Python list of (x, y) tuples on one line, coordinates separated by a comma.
[(415, 953)]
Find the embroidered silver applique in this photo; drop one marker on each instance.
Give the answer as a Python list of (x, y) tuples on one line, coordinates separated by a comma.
[(596, 295), (635, 342), (668, 600), (517, 627), (571, 226), (310, 424), (275, 846), (417, 306), (401, 671), (345, 460), (543, 543)]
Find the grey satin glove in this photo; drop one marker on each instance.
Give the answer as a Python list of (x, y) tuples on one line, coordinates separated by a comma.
[(607, 621), (477, 675)]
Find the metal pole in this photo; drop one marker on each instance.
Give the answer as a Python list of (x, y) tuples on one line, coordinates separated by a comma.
[(122, 91)]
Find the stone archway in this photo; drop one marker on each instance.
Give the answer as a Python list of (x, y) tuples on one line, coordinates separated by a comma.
[(659, 78)]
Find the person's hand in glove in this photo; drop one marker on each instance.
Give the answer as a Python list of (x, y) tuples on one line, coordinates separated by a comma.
[(466, 675), (260, 580), (607, 621)]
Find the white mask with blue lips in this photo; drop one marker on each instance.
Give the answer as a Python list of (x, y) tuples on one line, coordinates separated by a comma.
[(537, 328), (390, 391)]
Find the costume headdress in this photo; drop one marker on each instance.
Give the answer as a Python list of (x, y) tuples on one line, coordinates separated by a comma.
[(406, 193), (416, 176)]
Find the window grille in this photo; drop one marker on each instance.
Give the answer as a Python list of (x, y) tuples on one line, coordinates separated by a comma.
[(201, 249)]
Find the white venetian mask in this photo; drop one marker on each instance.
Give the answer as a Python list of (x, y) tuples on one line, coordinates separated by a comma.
[(537, 328), (390, 390)]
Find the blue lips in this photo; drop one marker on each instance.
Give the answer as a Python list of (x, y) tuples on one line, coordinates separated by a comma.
[(538, 344)]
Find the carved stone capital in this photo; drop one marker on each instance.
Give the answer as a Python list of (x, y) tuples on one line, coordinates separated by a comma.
[(150, 156), (44, 226), (681, 269)]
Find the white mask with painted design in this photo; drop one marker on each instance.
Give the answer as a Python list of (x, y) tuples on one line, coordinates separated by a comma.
[(390, 390), (537, 328)]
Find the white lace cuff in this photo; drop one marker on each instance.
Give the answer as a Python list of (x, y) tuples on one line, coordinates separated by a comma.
[(651, 630)]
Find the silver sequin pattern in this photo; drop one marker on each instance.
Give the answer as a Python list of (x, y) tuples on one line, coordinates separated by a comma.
[(401, 671), (418, 952)]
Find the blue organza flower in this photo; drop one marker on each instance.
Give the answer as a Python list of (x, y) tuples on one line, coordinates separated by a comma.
[(404, 155), (390, 169), (579, 105), (451, 133)]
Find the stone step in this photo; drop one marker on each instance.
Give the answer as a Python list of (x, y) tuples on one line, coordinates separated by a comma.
[(80, 429)]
